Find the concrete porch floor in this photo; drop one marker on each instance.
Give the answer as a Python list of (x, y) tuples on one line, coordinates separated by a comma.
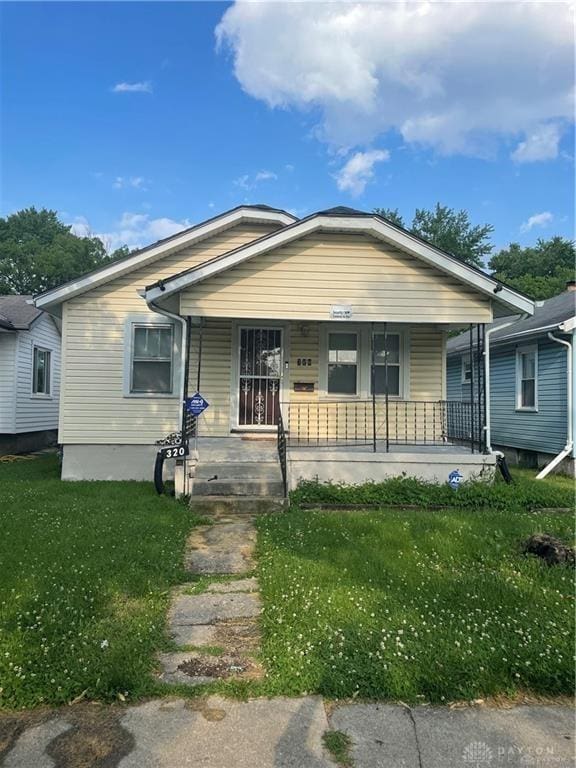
[(240, 448)]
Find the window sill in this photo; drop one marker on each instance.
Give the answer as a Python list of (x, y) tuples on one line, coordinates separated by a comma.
[(40, 396), (150, 396), (358, 398), (526, 410)]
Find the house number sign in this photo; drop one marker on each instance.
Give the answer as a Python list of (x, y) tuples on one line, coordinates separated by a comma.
[(341, 312)]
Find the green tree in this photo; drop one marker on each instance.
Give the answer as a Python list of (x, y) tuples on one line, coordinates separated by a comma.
[(39, 252), (449, 230), (392, 214), (453, 232), (540, 270)]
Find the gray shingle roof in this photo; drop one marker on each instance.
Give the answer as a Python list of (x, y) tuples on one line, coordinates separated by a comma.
[(16, 314), (551, 312)]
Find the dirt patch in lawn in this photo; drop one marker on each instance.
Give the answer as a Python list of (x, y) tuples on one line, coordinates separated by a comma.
[(221, 667), (238, 636), (96, 739)]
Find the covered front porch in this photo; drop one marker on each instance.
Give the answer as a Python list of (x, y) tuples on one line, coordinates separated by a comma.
[(351, 402)]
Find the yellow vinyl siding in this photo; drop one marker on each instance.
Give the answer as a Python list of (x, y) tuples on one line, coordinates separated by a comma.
[(215, 375), (304, 279), (93, 408)]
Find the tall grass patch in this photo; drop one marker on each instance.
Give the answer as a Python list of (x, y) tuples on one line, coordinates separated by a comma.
[(86, 572), (414, 605)]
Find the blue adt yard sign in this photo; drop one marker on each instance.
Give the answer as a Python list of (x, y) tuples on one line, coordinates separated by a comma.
[(454, 479), (196, 404)]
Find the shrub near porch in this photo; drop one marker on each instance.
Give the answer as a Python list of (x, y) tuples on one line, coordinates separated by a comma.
[(414, 605)]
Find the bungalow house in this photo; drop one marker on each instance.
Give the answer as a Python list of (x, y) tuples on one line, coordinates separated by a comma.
[(532, 381), (29, 376), (318, 343)]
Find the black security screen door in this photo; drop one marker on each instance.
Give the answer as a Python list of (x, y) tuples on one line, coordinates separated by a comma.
[(260, 369)]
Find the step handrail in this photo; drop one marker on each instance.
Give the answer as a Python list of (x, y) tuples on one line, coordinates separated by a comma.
[(281, 445)]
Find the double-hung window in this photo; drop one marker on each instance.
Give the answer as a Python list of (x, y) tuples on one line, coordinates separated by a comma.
[(41, 371), (466, 369), (152, 360), (387, 363), (342, 363), (526, 376)]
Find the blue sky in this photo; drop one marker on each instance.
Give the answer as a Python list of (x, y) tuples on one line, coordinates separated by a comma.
[(131, 122)]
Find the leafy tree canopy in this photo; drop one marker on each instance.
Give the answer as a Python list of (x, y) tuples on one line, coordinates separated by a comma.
[(540, 270), (449, 230), (392, 214), (39, 252)]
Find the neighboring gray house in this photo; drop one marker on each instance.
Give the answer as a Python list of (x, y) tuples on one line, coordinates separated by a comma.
[(30, 342), (531, 382)]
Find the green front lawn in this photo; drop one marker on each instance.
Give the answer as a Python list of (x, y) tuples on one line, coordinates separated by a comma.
[(85, 574), (415, 605)]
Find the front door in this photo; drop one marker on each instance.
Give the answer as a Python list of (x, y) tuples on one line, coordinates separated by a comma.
[(260, 372)]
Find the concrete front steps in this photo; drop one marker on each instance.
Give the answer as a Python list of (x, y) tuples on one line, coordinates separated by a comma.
[(228, 487)]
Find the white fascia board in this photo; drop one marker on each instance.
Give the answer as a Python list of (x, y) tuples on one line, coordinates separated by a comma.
[(568, 325), (200, 232), (370, 226)]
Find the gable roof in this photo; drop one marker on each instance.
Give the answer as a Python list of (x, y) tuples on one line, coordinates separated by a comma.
[(260, 214), (17, 313), (347, 220), (547, 315)]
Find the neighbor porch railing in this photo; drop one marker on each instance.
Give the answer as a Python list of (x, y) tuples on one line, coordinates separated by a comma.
[(381, 424)]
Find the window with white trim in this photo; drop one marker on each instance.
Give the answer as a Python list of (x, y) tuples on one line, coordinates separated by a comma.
[(387, 364), (466, 369), (152, 359), (342, 363), (41, 371), (526, 377)]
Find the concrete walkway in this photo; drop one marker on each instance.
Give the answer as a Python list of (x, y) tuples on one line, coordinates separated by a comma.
[(216, 631), (286, 733)]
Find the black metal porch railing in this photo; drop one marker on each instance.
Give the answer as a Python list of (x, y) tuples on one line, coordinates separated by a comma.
[(364, 422), (282, 447)]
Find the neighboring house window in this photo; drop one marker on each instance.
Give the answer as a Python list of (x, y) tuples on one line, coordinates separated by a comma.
[(41, 371), (387, 363), (342, 363), (466, 369), (152, 359), (526, 373)]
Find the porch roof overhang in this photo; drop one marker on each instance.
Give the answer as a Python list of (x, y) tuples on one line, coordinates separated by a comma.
[(51, 300), (361, 223)]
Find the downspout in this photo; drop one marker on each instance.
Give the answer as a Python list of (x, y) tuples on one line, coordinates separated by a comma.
[(567, 450), (183, 352), (488, 408)]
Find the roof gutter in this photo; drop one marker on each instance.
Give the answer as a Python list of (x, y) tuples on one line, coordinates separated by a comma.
[(567, 450)]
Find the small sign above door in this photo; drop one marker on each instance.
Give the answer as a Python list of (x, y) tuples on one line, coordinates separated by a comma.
[(341, 312)]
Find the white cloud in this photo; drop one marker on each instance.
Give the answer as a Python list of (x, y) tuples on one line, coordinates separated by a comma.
[(359, 170), (540, 144), (127, 182), (537, 220), (454, 76), (145, 86), (80, 227), (132, 229), (249, 182)]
